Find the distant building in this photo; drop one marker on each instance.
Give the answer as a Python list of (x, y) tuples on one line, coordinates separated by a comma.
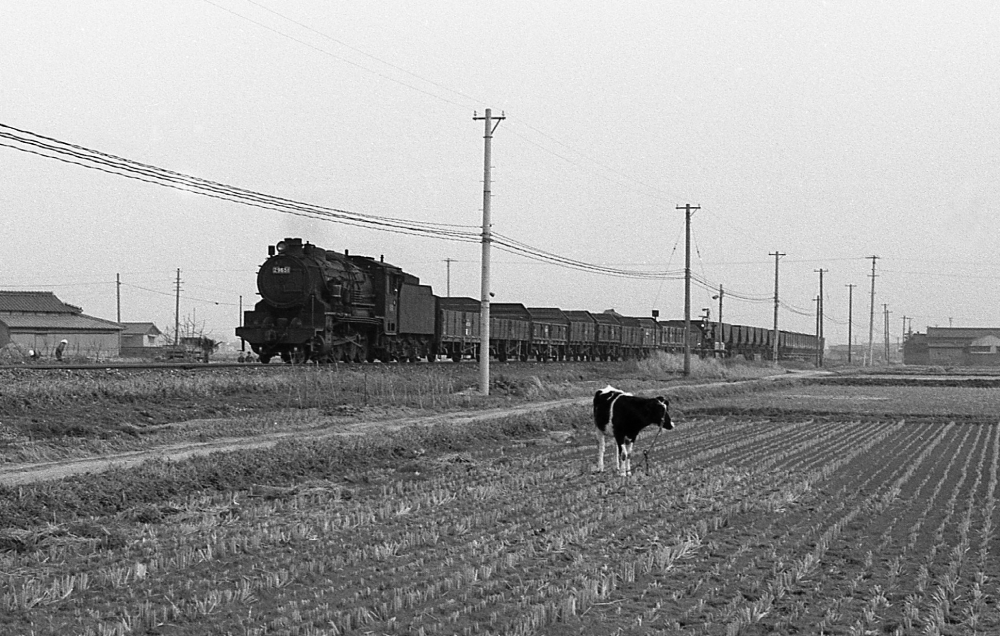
[(915, 349), (139, 334), (39, 321), (139, 340), (954, 346)]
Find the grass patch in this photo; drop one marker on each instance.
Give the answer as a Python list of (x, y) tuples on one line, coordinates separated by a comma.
[(117, 492), (662, 364)]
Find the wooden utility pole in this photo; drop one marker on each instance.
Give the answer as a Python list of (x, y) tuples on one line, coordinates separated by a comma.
[(871, 317), (819, 313), (243, 343), (885, 309), (776, 256), (177, 310), (719, 336), (688, 211), (448, 262), (817, 300), (484, 315), (118, 304), (850, 321)]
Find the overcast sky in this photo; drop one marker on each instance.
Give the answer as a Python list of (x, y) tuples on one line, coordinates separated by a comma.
[(828, 131)]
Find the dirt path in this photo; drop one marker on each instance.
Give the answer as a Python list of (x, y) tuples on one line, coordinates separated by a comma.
[(44, 471)]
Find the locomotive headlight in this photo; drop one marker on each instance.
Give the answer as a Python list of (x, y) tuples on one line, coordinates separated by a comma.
[(281, 247)]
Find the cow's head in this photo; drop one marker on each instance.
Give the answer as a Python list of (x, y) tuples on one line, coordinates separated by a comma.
[(665, 421)]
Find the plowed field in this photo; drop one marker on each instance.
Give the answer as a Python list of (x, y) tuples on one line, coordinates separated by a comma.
[(810, 509)]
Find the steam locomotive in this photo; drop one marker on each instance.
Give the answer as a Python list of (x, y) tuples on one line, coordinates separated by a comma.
[(323, 306)]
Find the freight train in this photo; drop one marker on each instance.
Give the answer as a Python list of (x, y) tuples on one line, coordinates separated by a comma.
[(323, 306)]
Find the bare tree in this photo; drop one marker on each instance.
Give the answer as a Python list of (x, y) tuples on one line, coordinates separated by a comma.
[(192, 340)]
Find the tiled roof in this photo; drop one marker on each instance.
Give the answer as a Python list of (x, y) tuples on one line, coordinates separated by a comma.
[(18, 321), (960, 333), (35, 301), (140, 329)]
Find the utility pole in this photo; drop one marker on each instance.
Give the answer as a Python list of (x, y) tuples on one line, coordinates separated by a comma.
[(850, 321), (177, 310), (243, 343), (484, 315), (688, 211), (719, 336), (448, 262), (817, 299), (819, 310), (871, 317), (776, 256), (885, 309), (118, 304)]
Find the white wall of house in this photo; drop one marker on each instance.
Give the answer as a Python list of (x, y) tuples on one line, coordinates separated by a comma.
[(87, 345)]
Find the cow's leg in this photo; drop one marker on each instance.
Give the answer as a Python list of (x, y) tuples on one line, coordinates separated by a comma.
[(627, 458), (624, 462), (600, 450), (618, 456)]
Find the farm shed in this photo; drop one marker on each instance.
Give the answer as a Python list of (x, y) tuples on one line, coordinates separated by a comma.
[(39, 320), (139, 334), (139, 340)]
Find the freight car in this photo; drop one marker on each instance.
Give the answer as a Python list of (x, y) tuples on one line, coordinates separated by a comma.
[(753, 343), (323, 306)]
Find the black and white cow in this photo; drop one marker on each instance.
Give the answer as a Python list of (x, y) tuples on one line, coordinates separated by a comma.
[(627, 415)]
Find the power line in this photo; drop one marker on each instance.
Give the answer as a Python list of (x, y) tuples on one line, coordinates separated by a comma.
[(51, 148)]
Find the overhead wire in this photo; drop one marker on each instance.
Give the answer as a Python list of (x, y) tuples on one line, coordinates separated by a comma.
[(51, 148)]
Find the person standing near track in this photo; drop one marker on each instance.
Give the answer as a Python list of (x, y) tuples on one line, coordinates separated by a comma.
[(60, 348)]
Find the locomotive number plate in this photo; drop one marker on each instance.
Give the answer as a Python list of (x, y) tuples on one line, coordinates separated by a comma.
[(282, 270)]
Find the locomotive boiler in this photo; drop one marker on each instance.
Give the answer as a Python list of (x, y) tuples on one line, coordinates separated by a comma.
[(324, 306)]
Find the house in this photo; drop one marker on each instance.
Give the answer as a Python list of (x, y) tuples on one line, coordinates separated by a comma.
[(139, 334), (39, 321)]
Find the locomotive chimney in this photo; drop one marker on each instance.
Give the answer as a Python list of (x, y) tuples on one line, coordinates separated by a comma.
[(270, 250)]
